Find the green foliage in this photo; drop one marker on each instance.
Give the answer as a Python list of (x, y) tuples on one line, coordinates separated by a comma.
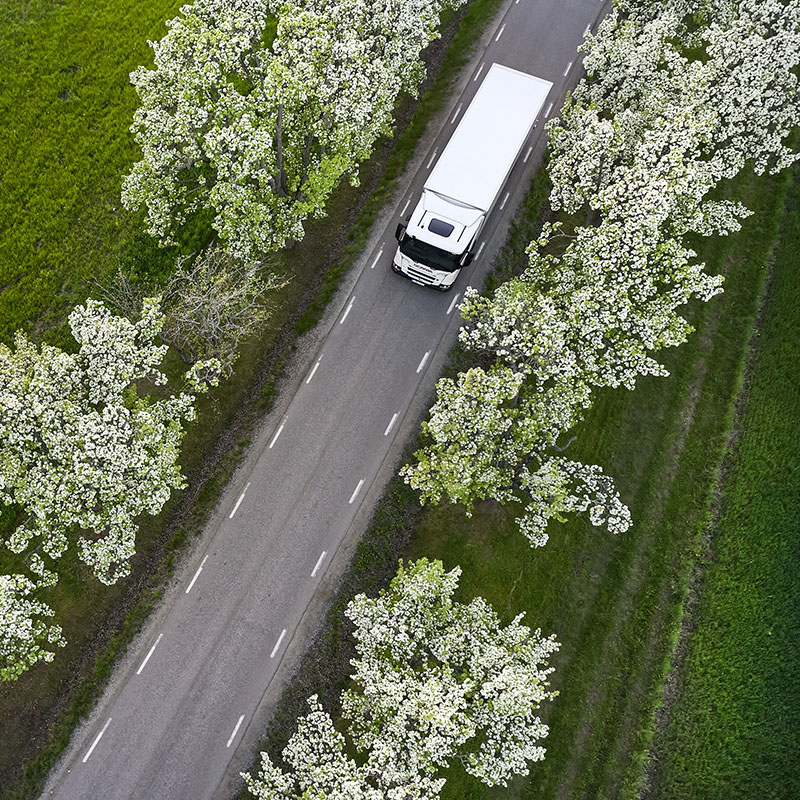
[(736, 722)]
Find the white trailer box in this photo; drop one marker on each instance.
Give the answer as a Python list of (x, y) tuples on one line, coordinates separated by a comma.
[(466, 181)]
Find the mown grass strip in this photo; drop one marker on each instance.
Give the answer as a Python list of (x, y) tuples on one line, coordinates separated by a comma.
[(734, 728)]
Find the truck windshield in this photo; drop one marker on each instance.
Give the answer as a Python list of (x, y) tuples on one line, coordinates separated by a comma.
[(429, 255)]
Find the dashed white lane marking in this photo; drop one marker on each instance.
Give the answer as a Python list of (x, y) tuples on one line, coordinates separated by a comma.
[(356, 491), (149, 653), (452, 304), (480, 69), (480, 250), (405, 207), (97, 739), (458, 111), (505, 200), (244, 491), (588, 28), (549, 109), (346, 311), (277, 644), (569, 67), (319, 562), (278, 432), (235, 731), (432, 158), (527, 155), (390, 425), (500, 32), (377, 258), (422, 363), (313, 370), (196, 575)]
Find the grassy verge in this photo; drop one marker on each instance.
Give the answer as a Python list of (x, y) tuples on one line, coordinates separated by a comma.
[(734, 726), (38, 712)]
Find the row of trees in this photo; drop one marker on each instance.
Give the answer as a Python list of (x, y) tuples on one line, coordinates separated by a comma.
[(435, 682), (254, 118), (672, 105), (83, 452)]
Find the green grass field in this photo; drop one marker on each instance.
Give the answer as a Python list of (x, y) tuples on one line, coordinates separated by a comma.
[(735, 726), (65, 108), (615, 603)]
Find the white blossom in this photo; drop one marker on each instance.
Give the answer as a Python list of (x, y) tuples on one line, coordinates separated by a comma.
[(80, 450), (24, 631), (260, 132)]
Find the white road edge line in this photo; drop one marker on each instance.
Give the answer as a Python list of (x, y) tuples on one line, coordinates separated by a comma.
[(527, 155), (311, 374), (505, 200), (458, 111), (149, 653), (377, 258), (355, 492), (500, 33), (422, 363), (452, 304), (432, 158), (319, 563), (347, 311), (277, 434), (480, 69), (405, 207), (549, 109), (569, 67), (235, 731), (480, 249), (391, 424), (277, 644), (97, 739), (196, 575), (244, 491)]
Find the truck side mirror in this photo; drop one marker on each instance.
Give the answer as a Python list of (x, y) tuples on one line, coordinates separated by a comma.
[(466, 259), (400, 232)]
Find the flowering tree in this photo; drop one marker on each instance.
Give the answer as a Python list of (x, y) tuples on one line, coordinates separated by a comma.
[(435, 681), (260, 129), (320, 768), (24, 631), (637, 148), (80, 451)]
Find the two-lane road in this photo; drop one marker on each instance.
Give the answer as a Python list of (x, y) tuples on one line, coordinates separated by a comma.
[(175, 713)]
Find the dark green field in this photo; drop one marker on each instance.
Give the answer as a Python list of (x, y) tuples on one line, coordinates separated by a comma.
[(615, 603), (734, 730)]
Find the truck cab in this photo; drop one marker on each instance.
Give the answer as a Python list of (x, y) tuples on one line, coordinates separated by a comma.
[(436, 243)]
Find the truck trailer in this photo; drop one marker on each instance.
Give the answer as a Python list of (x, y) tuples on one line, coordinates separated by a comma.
[(437, 239)]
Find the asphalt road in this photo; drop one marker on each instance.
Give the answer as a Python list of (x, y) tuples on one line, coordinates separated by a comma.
[(185, 699)]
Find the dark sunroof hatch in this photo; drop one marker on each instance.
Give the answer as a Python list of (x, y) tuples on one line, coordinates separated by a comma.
[(440, 227)]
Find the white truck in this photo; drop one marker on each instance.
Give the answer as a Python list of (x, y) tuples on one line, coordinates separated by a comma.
[(460, 192)]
